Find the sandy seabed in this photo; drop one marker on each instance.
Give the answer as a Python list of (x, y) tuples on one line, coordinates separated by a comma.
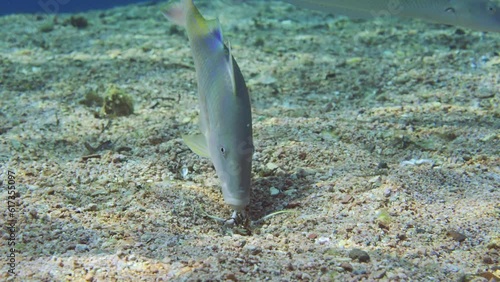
[(382, 137)]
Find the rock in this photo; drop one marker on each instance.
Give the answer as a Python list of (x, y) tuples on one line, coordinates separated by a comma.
[(359, 272), (271, 166), (494, 243), (346, 266), (253, 250), (382, 165), (378, 274), (312, 236), (118, 158), (304, 276), (274, 191), (81, 248), (387, 192), (90, 276), (459, 237), (488, 260), (231, 276), (360, 255), (346, 199), (91, 207), (323, 240), (33, 213)]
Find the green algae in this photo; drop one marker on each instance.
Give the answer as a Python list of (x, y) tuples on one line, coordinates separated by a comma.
[(92, 99), (117, 102), (46, 26)]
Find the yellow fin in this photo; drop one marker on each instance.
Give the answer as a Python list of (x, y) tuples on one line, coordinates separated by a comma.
[(197, 144)]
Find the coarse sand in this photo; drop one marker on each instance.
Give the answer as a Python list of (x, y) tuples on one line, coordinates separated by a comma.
[(381, 136)]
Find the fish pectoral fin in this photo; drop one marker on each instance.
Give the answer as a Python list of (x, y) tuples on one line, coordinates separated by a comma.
[(197, 144)]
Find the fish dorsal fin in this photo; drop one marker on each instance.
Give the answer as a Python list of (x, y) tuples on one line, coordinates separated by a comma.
[(198, 144), (231, 68)]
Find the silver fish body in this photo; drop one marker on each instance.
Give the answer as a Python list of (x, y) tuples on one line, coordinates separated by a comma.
[(227, 124), (482, 15), (225, 111)]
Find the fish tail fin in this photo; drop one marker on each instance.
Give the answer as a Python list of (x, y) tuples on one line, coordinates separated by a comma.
[(177, 12)]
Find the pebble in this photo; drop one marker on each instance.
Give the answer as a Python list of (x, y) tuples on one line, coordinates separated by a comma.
[(387, 192), (239, 243), (89, 276), (494, 243), (271, 166), (346, 266), (484, 93), (346, 199), (33, 213), (184, 172), (274, 191), (375, 179), (417, 162), (303, 172), (488, 260), (312, 236), (382, 165), (266, 80), (378, 274), (118, 158), (360, 255), (81, 248), (304, 276), (231, 276), (359, 272), (459, 237), (253, 250), (392, 276), (323, 240), (91, 207)]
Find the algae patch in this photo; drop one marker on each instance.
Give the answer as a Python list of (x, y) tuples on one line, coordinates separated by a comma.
[(77, 21), (46, 26), (117, 102), (92, 99), (383, 218)]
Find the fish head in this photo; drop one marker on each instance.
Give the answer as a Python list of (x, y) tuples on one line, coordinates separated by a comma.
[(231, 155), (481, 15)]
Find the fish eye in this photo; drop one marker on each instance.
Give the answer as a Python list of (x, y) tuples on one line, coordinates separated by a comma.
[(491, 8), (222, 150)]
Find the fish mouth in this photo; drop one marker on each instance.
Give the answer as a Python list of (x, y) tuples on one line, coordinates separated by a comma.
[(237, 204), (238, 198)]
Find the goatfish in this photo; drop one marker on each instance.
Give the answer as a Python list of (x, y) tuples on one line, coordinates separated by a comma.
[(481, 15), (225, 113)]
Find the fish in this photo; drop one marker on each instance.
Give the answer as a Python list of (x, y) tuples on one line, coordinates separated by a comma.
[(480, 15), (224, 102)]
